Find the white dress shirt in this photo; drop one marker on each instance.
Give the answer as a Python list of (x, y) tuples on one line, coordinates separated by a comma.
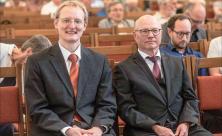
[(65, 54), (5, 55), (149, 62)]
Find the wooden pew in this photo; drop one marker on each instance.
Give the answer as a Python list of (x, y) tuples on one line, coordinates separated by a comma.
[(201, 46), (116, 53), (197, 63), (11, 100), (114, 40)]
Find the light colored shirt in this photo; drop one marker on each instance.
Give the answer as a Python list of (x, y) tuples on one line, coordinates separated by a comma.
[(65, 54), (11, 3), (149, 62), (5, 55), (215, 49), (49, 9)]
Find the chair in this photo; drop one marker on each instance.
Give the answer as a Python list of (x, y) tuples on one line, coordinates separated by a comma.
[(209, 89), (213, 34), (117, 53), (11, 100), (124, 30), (201, 46), (113, 40), (197, 63)]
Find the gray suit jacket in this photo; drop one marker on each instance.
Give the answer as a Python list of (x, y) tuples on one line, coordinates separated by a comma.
[(141, 103), (49, 92)]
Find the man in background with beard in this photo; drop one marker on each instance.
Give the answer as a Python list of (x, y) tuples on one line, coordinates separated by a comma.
[(179, 30)]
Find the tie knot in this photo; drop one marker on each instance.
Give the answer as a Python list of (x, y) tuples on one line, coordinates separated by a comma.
[(73, 58), (153, 58)]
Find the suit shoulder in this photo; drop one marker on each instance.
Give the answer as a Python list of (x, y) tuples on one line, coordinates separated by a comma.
[(95, 54), (127, 61)]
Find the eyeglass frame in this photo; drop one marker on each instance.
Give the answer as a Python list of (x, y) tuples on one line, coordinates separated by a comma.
[(145, 33), (187, 34), (69, 21)]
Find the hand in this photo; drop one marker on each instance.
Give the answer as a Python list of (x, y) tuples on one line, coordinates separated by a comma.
[(95, 131), (182, 129), (76, 131), (162, 131), (20, 57)]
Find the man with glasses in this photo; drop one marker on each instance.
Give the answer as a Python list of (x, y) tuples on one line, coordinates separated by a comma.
[(115, 11), (68, 87), (154, 94), (179, 30), (197, 14)]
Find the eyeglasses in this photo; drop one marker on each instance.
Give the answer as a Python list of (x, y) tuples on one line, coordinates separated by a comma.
[(69, 21), (181, 34), (117, 9), (155, 31)]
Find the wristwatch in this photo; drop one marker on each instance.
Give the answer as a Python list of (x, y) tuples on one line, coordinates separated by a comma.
[(104, 129)]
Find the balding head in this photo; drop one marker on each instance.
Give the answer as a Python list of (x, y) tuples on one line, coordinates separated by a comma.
[(147, 34), (197, 13), (147, 21)]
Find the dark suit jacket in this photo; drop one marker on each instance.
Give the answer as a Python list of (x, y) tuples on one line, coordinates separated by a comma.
[(141, 103), (49, 92)]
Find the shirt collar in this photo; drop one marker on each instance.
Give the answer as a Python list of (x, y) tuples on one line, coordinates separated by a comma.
[(144, 55), (188, 50), (66, 52)]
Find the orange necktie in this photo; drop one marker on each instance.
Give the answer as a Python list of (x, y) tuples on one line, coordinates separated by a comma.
[(74, 72)]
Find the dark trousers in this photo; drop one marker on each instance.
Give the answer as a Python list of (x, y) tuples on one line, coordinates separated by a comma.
[(212, 121), (195, 130), (6, 129)]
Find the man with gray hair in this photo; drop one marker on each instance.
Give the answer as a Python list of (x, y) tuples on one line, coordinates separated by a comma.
[(154, 94), (167, 8)]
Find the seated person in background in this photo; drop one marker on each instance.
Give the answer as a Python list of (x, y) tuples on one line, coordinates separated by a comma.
[(217, 7), (35, 5), (212, 120), (198, 1), (167, 8), (132, 6), (115, 12), (102, 12), (179, 30), (215, 50), (15, 3), (33, 45), (154, 94), (50, 7), (6, 61), (10, 54), (197, 13)]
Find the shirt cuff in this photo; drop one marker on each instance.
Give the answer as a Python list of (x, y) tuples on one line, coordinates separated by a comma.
[(64, 130)]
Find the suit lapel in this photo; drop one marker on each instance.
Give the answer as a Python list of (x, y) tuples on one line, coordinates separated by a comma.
[(142, 64), (83, 72), (59, 65), (166, 65)]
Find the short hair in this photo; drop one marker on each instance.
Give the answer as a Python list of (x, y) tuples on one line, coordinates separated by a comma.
[(190, 6), (173, 19), (113, 3), (37, 43), (73, 3)]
